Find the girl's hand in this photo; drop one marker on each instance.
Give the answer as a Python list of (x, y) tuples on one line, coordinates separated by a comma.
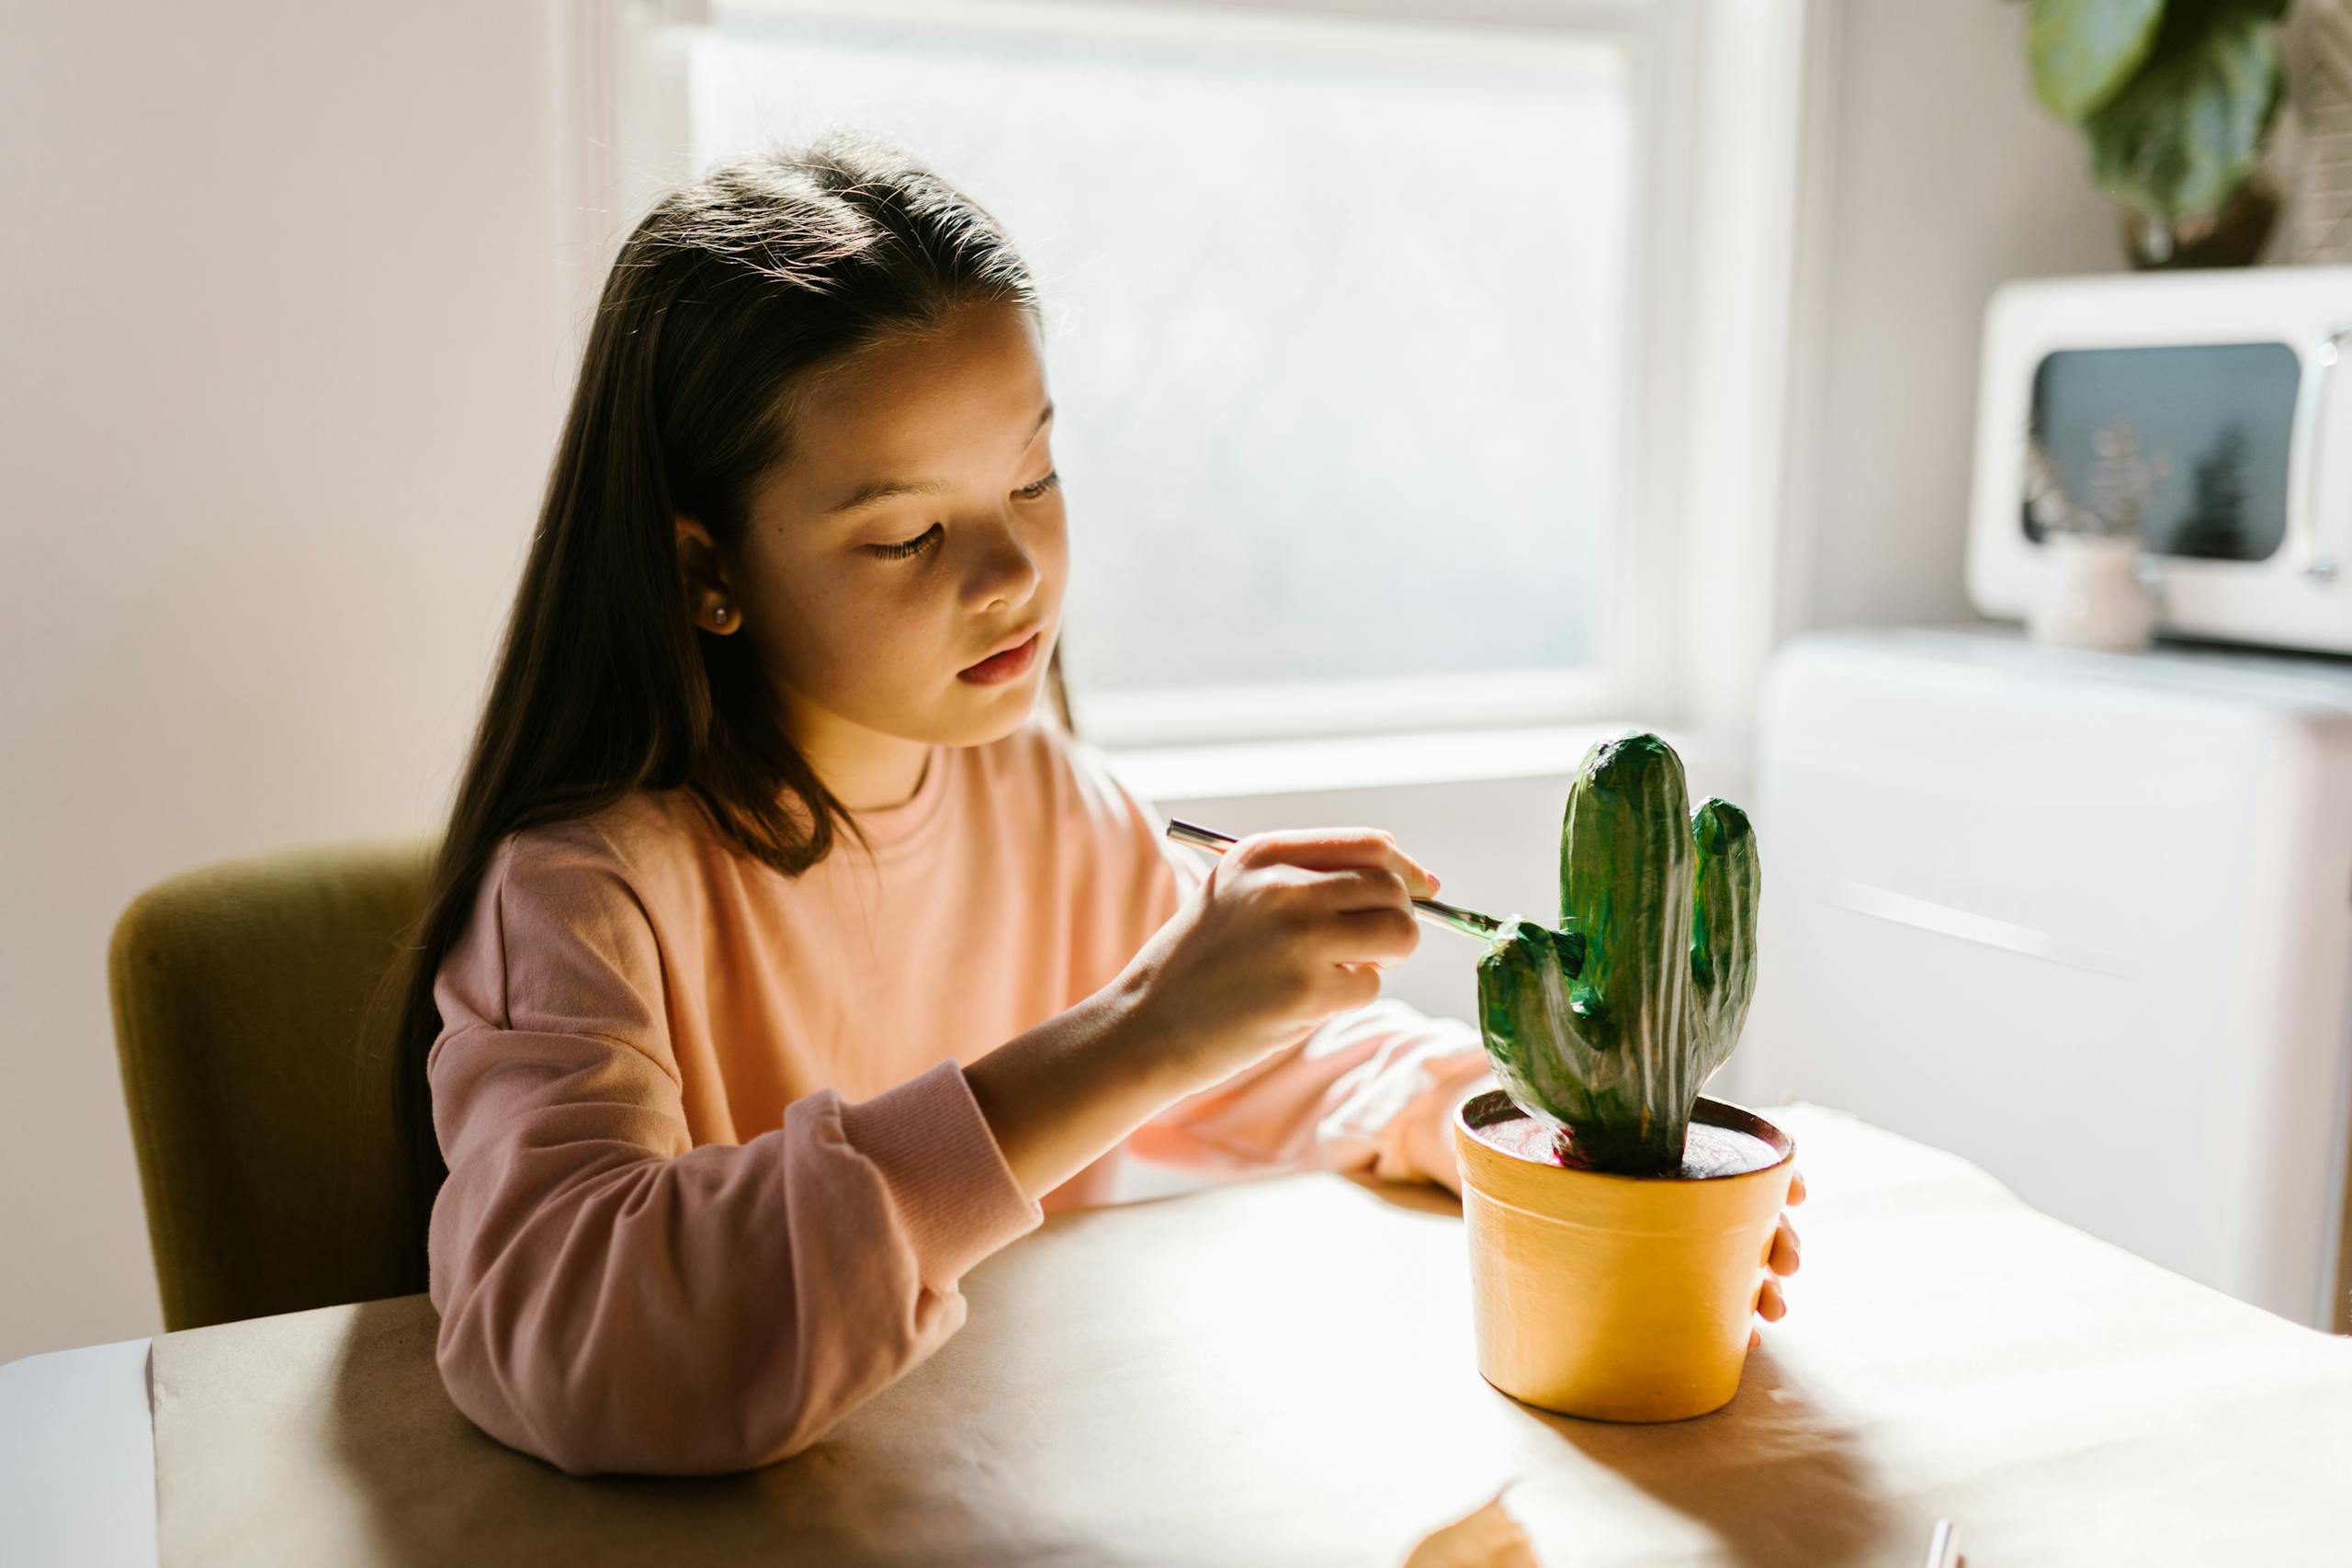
[(1288, 928), (1771, 1304)]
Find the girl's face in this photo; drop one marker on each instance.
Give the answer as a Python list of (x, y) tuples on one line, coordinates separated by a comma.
[(915, 530)]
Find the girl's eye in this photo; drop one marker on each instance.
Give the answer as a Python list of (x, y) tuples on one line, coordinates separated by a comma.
[(906, 547), (924, 541)]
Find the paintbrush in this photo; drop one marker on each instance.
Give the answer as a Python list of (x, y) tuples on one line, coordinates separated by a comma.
[(1469, 922)]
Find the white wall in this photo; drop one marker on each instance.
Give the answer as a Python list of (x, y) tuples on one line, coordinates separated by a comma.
[(1943, 178), (280, 381), (288, 315)]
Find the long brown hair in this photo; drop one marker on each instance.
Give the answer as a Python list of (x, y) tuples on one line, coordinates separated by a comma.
[(718, 305)]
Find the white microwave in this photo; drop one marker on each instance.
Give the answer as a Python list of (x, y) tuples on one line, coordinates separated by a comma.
[(2204, 410)]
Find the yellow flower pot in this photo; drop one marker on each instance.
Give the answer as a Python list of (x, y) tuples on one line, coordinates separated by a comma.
[(1619, 1298)]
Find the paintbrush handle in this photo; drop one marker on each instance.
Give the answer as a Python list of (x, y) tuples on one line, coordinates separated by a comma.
[(1469, 922)]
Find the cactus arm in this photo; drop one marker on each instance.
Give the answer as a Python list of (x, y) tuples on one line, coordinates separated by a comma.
[(1545, 1053), (1725, 888), (1556, 1052)]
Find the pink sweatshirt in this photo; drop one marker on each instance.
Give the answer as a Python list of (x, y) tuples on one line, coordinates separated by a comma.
[(714, 1170)]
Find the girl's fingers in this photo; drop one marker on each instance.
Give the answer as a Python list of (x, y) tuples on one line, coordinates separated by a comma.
[(1784, 1256), (1796, 1188), (1338, 849), (1771, 1304), (1364, 888), (1754, 1338), (1387, 935), (1353, 986)]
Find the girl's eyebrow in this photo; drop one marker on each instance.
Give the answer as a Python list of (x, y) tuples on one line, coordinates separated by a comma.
[(872, 490)]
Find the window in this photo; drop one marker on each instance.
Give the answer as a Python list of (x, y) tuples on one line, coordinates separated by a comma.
[(1336, 317)]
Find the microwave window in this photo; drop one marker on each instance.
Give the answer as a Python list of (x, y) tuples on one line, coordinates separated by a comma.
[(2185, 445)]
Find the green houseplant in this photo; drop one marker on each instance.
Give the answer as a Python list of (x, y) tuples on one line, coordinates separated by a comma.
[(2176, 99), (1614, 1253)]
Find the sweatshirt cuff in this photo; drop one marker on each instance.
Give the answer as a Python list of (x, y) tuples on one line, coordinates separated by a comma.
[(953, 1190)]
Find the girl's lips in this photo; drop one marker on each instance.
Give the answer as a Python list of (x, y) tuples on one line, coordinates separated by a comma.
[(1002, 667)]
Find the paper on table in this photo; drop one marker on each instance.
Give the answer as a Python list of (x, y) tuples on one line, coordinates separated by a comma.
[(1280, 1371), (77, 1460)]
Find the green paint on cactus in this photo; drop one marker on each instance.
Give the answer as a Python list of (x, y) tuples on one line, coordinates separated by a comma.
[(1605, 1027)]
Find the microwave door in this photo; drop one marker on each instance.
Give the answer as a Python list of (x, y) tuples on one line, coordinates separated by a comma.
[(2189, 446)]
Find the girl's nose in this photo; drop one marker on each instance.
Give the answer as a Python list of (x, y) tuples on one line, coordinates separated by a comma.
[(1002, 570)]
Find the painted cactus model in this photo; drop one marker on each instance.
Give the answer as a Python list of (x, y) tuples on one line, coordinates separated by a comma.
[(1605, 1029)]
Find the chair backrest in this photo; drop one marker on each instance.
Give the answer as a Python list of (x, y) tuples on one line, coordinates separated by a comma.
[(273, 1168)]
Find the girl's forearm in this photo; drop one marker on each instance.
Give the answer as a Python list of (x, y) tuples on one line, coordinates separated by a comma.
[(1059, 1097)]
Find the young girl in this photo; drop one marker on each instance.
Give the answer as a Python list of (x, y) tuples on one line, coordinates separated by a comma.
[(783, 960)]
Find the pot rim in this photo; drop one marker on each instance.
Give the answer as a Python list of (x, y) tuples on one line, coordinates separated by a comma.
[(1490, 1106)]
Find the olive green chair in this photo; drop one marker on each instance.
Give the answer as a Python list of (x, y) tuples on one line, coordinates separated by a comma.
[(268, 1145)]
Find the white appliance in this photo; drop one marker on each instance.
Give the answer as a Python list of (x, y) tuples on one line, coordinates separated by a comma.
[(2204, 409), (2085, 918)]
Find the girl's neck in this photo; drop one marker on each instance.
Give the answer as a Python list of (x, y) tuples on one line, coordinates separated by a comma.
[(866, 770)]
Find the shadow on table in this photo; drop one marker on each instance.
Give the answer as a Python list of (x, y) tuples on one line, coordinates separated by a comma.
[(1419, 1197), (436, 1490), (1422, 1197), (1770, 1473)]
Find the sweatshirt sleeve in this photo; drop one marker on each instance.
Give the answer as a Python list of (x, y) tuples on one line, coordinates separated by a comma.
[(1370, 1090), (614, 1299)]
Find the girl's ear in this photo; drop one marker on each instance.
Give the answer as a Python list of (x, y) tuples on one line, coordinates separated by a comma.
[(709, 600)]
